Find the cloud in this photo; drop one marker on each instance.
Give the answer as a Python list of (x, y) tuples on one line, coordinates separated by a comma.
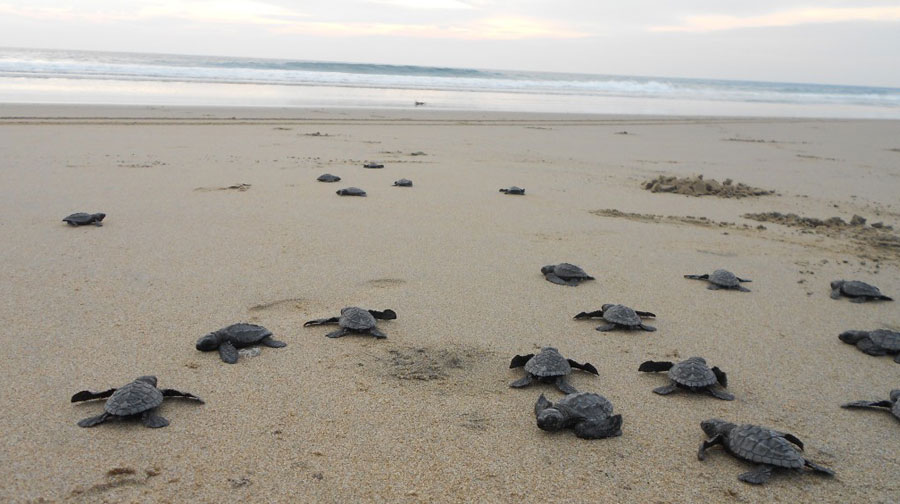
[(203, 11), (783, 18), (425, 4)]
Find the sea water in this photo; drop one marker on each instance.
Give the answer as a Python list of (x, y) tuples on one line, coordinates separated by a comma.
[(87, 77)]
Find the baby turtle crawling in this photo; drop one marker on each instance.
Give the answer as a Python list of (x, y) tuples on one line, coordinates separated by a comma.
[(140, 397), (549, 366), (589, 415), (619, 317), (878, 342), (565, 274), (766, 447), (355, 320), (403, 183), (893, 404), (722, 279), (327, 177), (692, 374), (83, 219), (373, 164), (513, 190), (351, 191), (229, 339), (858, 292)]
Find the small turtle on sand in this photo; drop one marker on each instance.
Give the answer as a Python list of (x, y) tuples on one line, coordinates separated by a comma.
[(618, 317), (327, 177), (229, 339), (351, 191), (83, 219), (549, 366), (565, 274), (692, 374), (722, 279), (589, 415), (513, 190), (878, 342), (858, 292), (355, 320), (767, 448), (140, 397), (373, 164), (403, 183), (893, 404)]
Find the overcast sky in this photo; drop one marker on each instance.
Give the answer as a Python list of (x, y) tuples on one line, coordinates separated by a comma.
[(825, 41)]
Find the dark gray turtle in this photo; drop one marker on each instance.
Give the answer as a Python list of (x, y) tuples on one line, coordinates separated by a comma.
[(403, 183), (589, 415), (83, 219), (140, 397), (549, 366), (767, 448), (619, 317), (513, 190), (565, 274), (722, 279), (373, 164), (327, 177), (692, 374), (227, 340), (355, 320), (858, 292), (893, 404), (351, 191), (878, 342)]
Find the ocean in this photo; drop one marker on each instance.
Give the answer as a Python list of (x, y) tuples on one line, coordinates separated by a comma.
[(89, 77)]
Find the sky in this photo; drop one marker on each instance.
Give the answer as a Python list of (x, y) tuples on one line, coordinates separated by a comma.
[(821, 41)]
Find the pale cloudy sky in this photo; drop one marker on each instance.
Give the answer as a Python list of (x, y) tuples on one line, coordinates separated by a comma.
[(826, 41)]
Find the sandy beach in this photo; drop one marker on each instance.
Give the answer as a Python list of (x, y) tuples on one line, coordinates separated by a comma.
[(427, 415)]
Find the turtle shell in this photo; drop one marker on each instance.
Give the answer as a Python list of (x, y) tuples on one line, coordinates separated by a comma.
[(856, 288), (351, 191), (621, 314), (245, 334), (356, 319), (136, 397), (724, 278), (327, 177), (763, 446), (888, 340), (403, 183), (548, 363), (79, 218), (566, 270), (693, 373), (584, 404)]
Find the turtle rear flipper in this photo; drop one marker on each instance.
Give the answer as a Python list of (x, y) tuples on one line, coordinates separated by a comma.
[(87, 395), (520, 360), (92, 421), (720, 394), (559, 281), (742, 288), (599, 428), (564, 386), (713, 287), (646, 327), (272, 343), (867, 404), (337, 334), (584, 367), (522, 382), (321, 321), (758, 476), (655, 366), (859, 299), (152, 420), (665, 390), (377, 333), (817, 468), (177, 393), (228, 352)]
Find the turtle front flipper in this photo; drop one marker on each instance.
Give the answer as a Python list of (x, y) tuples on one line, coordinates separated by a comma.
[(337, 334), (870, 347), (92, 421), (665, 390), (522, 382), (564, 386), (713, 287), (593, 314), (520, 360), (87, 395), (321, 321), (152, 420), (742, 288), (860, 299), (720, 394), (594, 428), (607, 327), (836, 293), (228, 352), (867, 404), (709, 443), (721, 377), (646, 327), (655, 366), (541, 404), (584, 367), (697, 277), (177, 393), (552, 278), (645, 314), (897, 358), (272, 343), (758, 476), (739, 279), (377, 333), (384, 315)]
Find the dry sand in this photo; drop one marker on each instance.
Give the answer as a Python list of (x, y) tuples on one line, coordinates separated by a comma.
[(426, 415)]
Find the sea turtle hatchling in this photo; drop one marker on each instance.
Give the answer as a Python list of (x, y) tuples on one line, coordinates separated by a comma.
[(513, 190), (373, 164), (766, 447), (691, 374), (858, 292), (227, 340), (351, 191), (355, 320), (619, 317), (893, 404), (84, 218), (403, 183), (722, 279), (588, 414), (140, 397), (878, 342), (549, 366), (565, 274), (327, 177)]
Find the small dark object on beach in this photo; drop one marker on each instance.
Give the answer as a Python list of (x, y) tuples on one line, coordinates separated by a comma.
[(893, 404), (565, 274), (373, 164), (327, 177), (549, 366), (403, 183), (227, 340), (355, 320), (877, 343), (513, 190), (619, 317), (858, 292), (83, 219), (419, 103), (588, 414), (768, 448), (351, 191), (722, 279), (140, 397), (691, 374)]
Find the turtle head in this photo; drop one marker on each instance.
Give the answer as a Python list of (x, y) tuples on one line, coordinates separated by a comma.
[(607, 306), (548, 269), (550, 419), (99, 216), (209, 342), (837, 284), (715, 427), (147, 379), (895, 395), (852, 337)]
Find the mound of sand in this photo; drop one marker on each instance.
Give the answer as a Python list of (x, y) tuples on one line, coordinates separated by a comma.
[(698, 186), (878, 234)]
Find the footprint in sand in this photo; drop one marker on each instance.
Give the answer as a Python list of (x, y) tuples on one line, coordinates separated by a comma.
[(384, 283), (282, 304)]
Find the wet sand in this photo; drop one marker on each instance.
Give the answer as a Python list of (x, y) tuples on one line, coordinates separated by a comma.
[(426, 415)]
